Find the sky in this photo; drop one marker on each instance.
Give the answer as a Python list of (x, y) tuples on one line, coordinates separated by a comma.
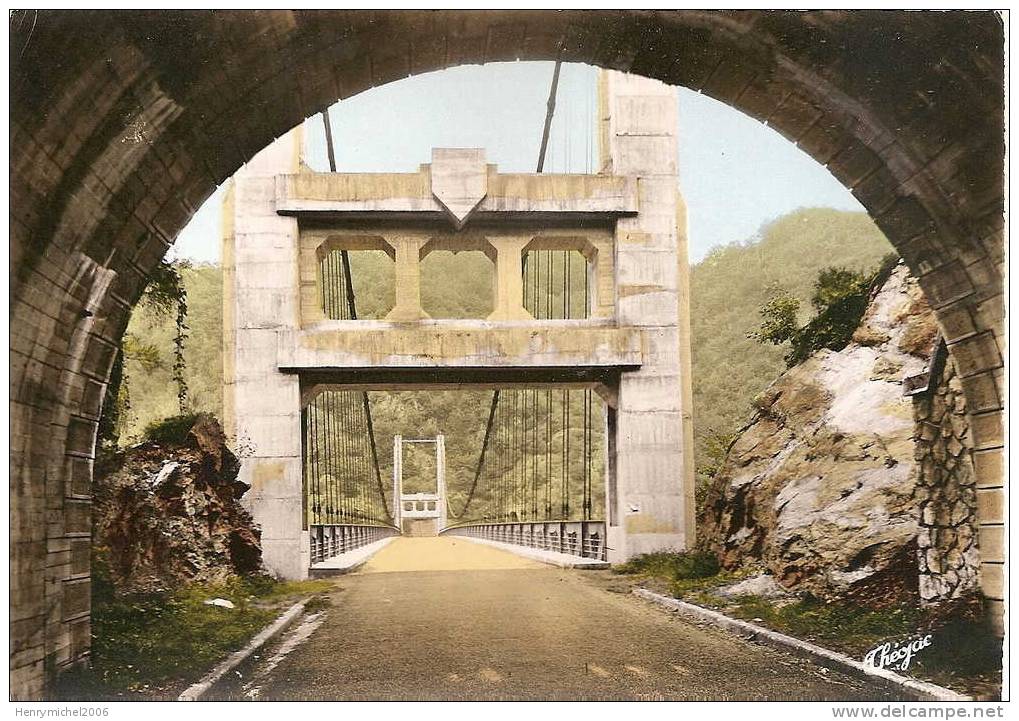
[(736, 173)]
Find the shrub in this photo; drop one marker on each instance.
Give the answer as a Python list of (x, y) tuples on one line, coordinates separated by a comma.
[(171, 430), (833, 327), (840, 299)]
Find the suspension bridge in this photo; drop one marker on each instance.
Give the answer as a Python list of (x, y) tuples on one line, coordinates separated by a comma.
[(585, 448)]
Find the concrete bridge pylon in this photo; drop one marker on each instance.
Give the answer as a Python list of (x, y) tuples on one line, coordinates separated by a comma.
[(422, 513), (283, 344)]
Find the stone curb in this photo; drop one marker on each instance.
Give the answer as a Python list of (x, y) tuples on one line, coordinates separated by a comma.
[(197, 690), (562, 560), (922, 690)]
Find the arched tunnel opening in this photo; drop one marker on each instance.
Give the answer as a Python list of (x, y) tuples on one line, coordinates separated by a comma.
[(96, 202)]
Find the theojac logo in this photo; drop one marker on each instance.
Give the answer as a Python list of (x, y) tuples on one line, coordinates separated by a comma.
[(897, 655)]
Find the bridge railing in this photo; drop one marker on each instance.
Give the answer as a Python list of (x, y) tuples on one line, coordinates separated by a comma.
[(585, 539), (332, 540)]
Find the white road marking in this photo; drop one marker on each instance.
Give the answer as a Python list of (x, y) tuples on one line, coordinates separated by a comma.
[(294, 638)]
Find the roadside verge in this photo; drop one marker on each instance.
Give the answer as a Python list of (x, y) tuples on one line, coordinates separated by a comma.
[(921, 690), (274, 629)]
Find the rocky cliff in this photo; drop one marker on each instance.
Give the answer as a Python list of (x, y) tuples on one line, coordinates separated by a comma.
[(818, 488), (168, 512)]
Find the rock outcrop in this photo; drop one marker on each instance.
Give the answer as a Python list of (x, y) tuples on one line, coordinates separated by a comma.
[(818, 488), (167, 513)]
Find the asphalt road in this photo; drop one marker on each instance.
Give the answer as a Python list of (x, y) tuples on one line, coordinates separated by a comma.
[(446, 619)]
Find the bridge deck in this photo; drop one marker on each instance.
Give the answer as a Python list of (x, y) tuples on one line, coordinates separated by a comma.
[(442, 553)]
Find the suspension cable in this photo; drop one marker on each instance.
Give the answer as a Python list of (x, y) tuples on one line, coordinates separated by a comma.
[(342, 433), (481, 462), (548, 454), (549, 112), (550, 109), (351, 309)]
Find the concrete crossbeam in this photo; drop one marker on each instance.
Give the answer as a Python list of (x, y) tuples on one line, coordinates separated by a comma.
[(380, 193), (459, 344)]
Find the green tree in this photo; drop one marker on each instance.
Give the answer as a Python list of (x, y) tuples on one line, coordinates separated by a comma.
[(839, 300), (165, 296), (834, 284), (779, 318)]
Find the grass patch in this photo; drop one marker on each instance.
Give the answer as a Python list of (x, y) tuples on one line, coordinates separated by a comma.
[(154, 644), (689, 574), (964, 649), (699, 590), (829, 621), (265, 588), (155, 640), (964, 652), (672, 565)]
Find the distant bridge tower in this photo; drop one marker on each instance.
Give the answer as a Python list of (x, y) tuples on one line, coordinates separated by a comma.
[(420, 514)]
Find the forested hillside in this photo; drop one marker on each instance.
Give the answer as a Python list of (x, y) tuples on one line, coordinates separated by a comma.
[(728, 289), (148, 386)]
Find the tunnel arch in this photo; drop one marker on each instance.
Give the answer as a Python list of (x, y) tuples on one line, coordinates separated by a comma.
[(123, 123)]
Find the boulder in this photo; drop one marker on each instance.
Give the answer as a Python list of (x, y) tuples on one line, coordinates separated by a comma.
[(817, 489), (167, 513), (762, 585)]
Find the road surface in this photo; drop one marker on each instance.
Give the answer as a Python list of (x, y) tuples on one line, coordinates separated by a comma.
[(447, 619)]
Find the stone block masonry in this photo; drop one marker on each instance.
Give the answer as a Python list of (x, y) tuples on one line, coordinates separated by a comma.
[(949, 540)]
